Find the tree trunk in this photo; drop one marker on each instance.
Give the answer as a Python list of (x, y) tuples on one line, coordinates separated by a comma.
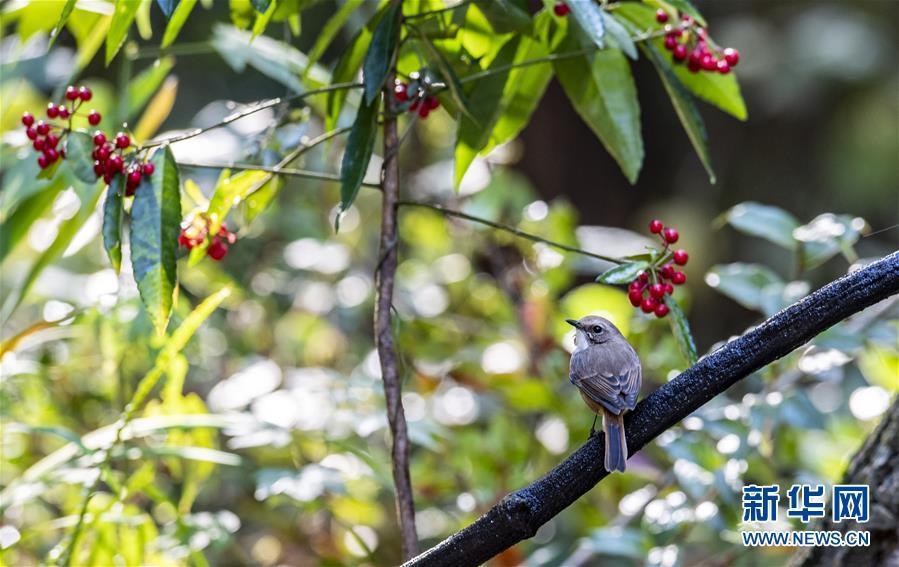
[(877, 465)]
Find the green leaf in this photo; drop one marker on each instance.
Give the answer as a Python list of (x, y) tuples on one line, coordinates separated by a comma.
[(79, 147), (261, 6), (623, 274), (264, 18), (826, 235), (122, 16), (176, 22), (330, 30), (601, 88), (230, 192), (750, 285), (145, 84), (257, 201), (155, 224), (685, 7), (506, 16), (380, 53), (681, 329), (358, 153), (112, 223), (474, 131), (771, 223), (447, 74), (167, 6), (590, 18), (684, 107), (620, 34), (63, 18), (345, 71)]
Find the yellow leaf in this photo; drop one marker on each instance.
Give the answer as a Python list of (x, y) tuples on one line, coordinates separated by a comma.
[(157, 111)]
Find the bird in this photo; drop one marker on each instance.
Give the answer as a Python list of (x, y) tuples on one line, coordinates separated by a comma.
[(606, 370)]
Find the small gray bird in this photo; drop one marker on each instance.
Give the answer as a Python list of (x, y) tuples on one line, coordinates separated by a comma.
[(606, 370)]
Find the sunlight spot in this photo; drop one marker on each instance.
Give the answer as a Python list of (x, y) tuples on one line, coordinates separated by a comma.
[(868, 403)]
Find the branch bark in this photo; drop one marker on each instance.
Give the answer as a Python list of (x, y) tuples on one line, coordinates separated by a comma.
[(520, 514), (384, 280)]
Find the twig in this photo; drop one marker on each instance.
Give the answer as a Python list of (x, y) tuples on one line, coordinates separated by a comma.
[(520, 514), (509, 229), (243, 114)]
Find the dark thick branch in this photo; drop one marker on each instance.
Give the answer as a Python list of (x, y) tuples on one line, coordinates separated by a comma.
[(521, 513), (384, 277)]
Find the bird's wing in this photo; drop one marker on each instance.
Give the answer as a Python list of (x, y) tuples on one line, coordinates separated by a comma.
[(610, 379)]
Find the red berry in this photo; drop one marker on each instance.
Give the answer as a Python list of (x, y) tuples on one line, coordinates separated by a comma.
[(670, 41), (424, 110), (709, 63), (27, 119), (694, 66), (217, 249), (680, 52), (31, 133), (670, 235), (52, 110), (666, 271), (649, 304), (414, 106), (636, 285), (657, 290), (63, 112), (42, 161), (669, 289), (635, 297), (122, 140), (85, 94), (661, 310), (732, 56), (183, 240), (51, 155), (696, 56), (39, 144), (679, 278), (103, 152), (71, 93), (655, 226), (42, 128), (401, 91), (115, 163), (643, 277), (681, 257), (129, 189), (98, 168), (561, 9), (433, 102), (52, 141), (134, 176), (686, 19), (723, 67), (94, 118), (148, 169), (99, 138), (661, 16)]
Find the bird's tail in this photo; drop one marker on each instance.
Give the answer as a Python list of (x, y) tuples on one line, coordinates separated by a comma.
[(616, 444)]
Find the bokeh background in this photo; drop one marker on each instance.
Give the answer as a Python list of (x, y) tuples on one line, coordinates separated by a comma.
[(300, 473)]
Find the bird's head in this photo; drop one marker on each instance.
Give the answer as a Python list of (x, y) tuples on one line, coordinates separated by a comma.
[(593, 329)]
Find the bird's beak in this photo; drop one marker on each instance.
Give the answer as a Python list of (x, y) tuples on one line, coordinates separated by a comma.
[(573, 323)]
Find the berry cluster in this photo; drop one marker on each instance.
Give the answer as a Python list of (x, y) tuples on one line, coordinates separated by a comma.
[(46, 136), (691, 43), (109, 161), (195, 231), (561, 9), (415, 96), (649, 289)]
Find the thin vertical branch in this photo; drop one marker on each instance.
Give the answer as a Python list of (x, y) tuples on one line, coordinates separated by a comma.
[(384, 278)]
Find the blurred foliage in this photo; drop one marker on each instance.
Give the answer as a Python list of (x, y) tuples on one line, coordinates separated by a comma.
[(264, 439)]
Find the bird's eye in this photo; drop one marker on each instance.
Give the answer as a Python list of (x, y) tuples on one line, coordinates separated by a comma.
[(597, 329)]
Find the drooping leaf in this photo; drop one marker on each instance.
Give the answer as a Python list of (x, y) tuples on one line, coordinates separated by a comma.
[(176, 21), (681, 329), (750, 285), (145, 84), (142, 21), (167, 6), (264, 18), (358, 152), (155, 224), (330, 30), (506, 16), (122, 17), (345, 70), (259, 200), (765, 221), (112, 223), (230, 192), (602, 91), (63, 18), (623, 273), (620, 35), (79, 147), (474, 132), (589, 17), (380, 53), (157, 111)]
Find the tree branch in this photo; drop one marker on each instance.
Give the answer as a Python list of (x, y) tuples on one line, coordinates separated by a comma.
[(520, 514), (384, 280)]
